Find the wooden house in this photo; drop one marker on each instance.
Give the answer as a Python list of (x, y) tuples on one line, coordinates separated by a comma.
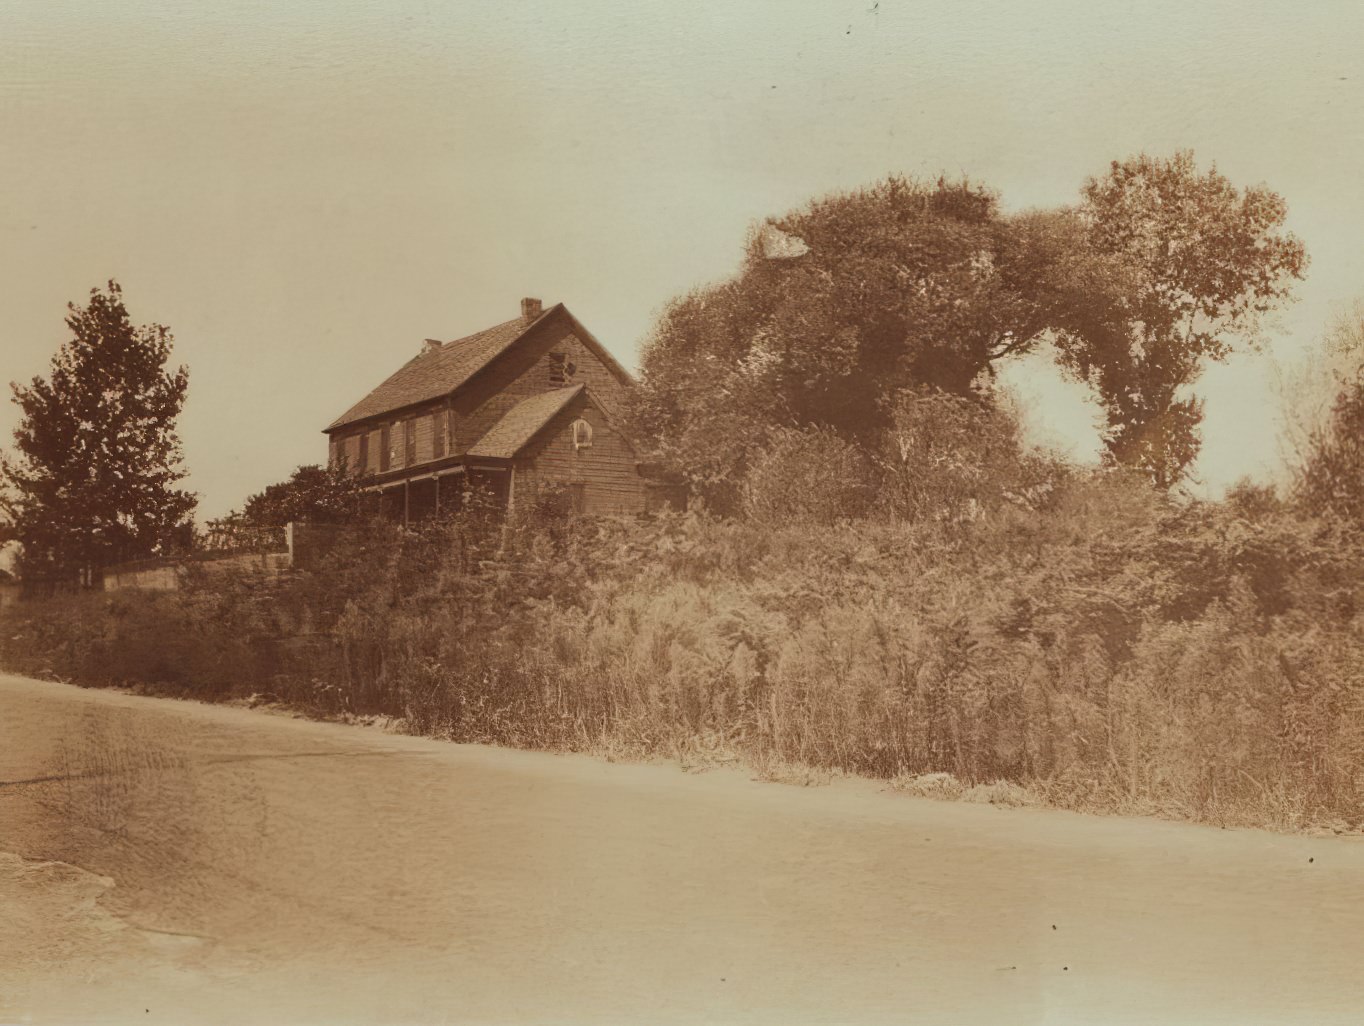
[(518, 408)]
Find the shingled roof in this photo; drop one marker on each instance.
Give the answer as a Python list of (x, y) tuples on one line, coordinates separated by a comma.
[(523, 422), (438, 372)]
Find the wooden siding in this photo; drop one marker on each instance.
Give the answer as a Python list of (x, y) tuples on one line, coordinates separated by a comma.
[(447, 427), (528, 373), (605, 470)]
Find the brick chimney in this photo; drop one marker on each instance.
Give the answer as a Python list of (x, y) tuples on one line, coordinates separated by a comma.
[(530, 309), (430, 345)]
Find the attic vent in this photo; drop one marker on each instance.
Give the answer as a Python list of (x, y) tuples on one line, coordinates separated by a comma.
[(582, 435), (561, 369)]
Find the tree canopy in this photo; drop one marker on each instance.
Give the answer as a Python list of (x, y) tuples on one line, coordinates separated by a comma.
[(97, 456), (1328, 465), (844, 304), (312, 493), (841, 305), (1200, 263)]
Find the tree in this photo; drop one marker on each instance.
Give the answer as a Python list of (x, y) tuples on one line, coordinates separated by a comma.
[(840, 305), (93, 479), (1308, 390), (1200, 264), (312, 493), (1330, 476)]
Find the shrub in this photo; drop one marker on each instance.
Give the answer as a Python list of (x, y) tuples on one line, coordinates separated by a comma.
[(1103, 648)]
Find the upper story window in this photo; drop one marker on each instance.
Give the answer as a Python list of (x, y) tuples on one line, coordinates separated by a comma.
[(582, 435), (561, 369), (438, 423)]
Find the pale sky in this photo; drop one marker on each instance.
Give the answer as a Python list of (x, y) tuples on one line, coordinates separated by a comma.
[(304, 191)]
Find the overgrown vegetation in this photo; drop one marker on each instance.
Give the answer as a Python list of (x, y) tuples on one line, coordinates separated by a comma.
[(843, 304), (1093, 644), (880, 578)]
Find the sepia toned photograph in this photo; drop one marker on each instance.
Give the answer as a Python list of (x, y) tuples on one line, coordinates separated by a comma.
[(769, 512)]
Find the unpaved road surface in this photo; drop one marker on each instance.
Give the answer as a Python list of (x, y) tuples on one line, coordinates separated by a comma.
[(166, 862)]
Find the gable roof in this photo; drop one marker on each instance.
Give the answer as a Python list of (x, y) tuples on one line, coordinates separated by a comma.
[(523, 422), (433, 374), (437, 373)]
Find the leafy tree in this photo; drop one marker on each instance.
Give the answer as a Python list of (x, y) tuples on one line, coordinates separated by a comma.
[(843, 303), (1308, 390), (1201, 264), (1331, 475), (93, 479), (312, 493)]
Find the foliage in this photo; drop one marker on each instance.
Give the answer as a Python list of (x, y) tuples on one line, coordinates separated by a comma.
[(1203, 263), (93, 478), (1321, 405), (1108, 649), (312, 494), (1330, 476), (898, 285), (810, 476), (952, 458)]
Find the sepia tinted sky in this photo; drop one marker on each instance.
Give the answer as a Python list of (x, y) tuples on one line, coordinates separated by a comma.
[(304, 191)]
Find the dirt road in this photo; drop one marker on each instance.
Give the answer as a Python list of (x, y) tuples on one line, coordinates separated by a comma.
[(179, 863)]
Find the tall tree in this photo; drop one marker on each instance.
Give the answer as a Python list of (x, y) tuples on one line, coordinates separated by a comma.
[(93, 479), (840, 305), (1202, 263)]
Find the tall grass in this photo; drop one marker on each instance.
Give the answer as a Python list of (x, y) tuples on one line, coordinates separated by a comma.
[(1106, 650)]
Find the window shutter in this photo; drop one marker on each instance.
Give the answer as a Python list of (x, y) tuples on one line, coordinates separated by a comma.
[(437, 435), (385, 451), (410, 442), (362, 464)]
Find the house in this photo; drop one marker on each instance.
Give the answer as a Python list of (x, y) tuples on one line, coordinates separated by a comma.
[(527, 404)]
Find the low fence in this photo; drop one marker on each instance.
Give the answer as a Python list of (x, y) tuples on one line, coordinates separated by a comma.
[(169, 574), (297, 546)]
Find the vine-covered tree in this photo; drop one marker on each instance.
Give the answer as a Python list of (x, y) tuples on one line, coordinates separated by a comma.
[(1202, 263), (844, 303), (97, 456)]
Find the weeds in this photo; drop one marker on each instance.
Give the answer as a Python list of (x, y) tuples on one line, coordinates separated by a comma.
[(1104, 650)]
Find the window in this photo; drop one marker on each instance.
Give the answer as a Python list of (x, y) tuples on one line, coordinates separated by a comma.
[(409, 442), (338, 453), (577, 498), (561, 369), (362, 464), (385, 449), (582, 435)]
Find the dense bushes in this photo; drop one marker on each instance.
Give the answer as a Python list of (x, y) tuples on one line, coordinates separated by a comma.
[(1102, 646)]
